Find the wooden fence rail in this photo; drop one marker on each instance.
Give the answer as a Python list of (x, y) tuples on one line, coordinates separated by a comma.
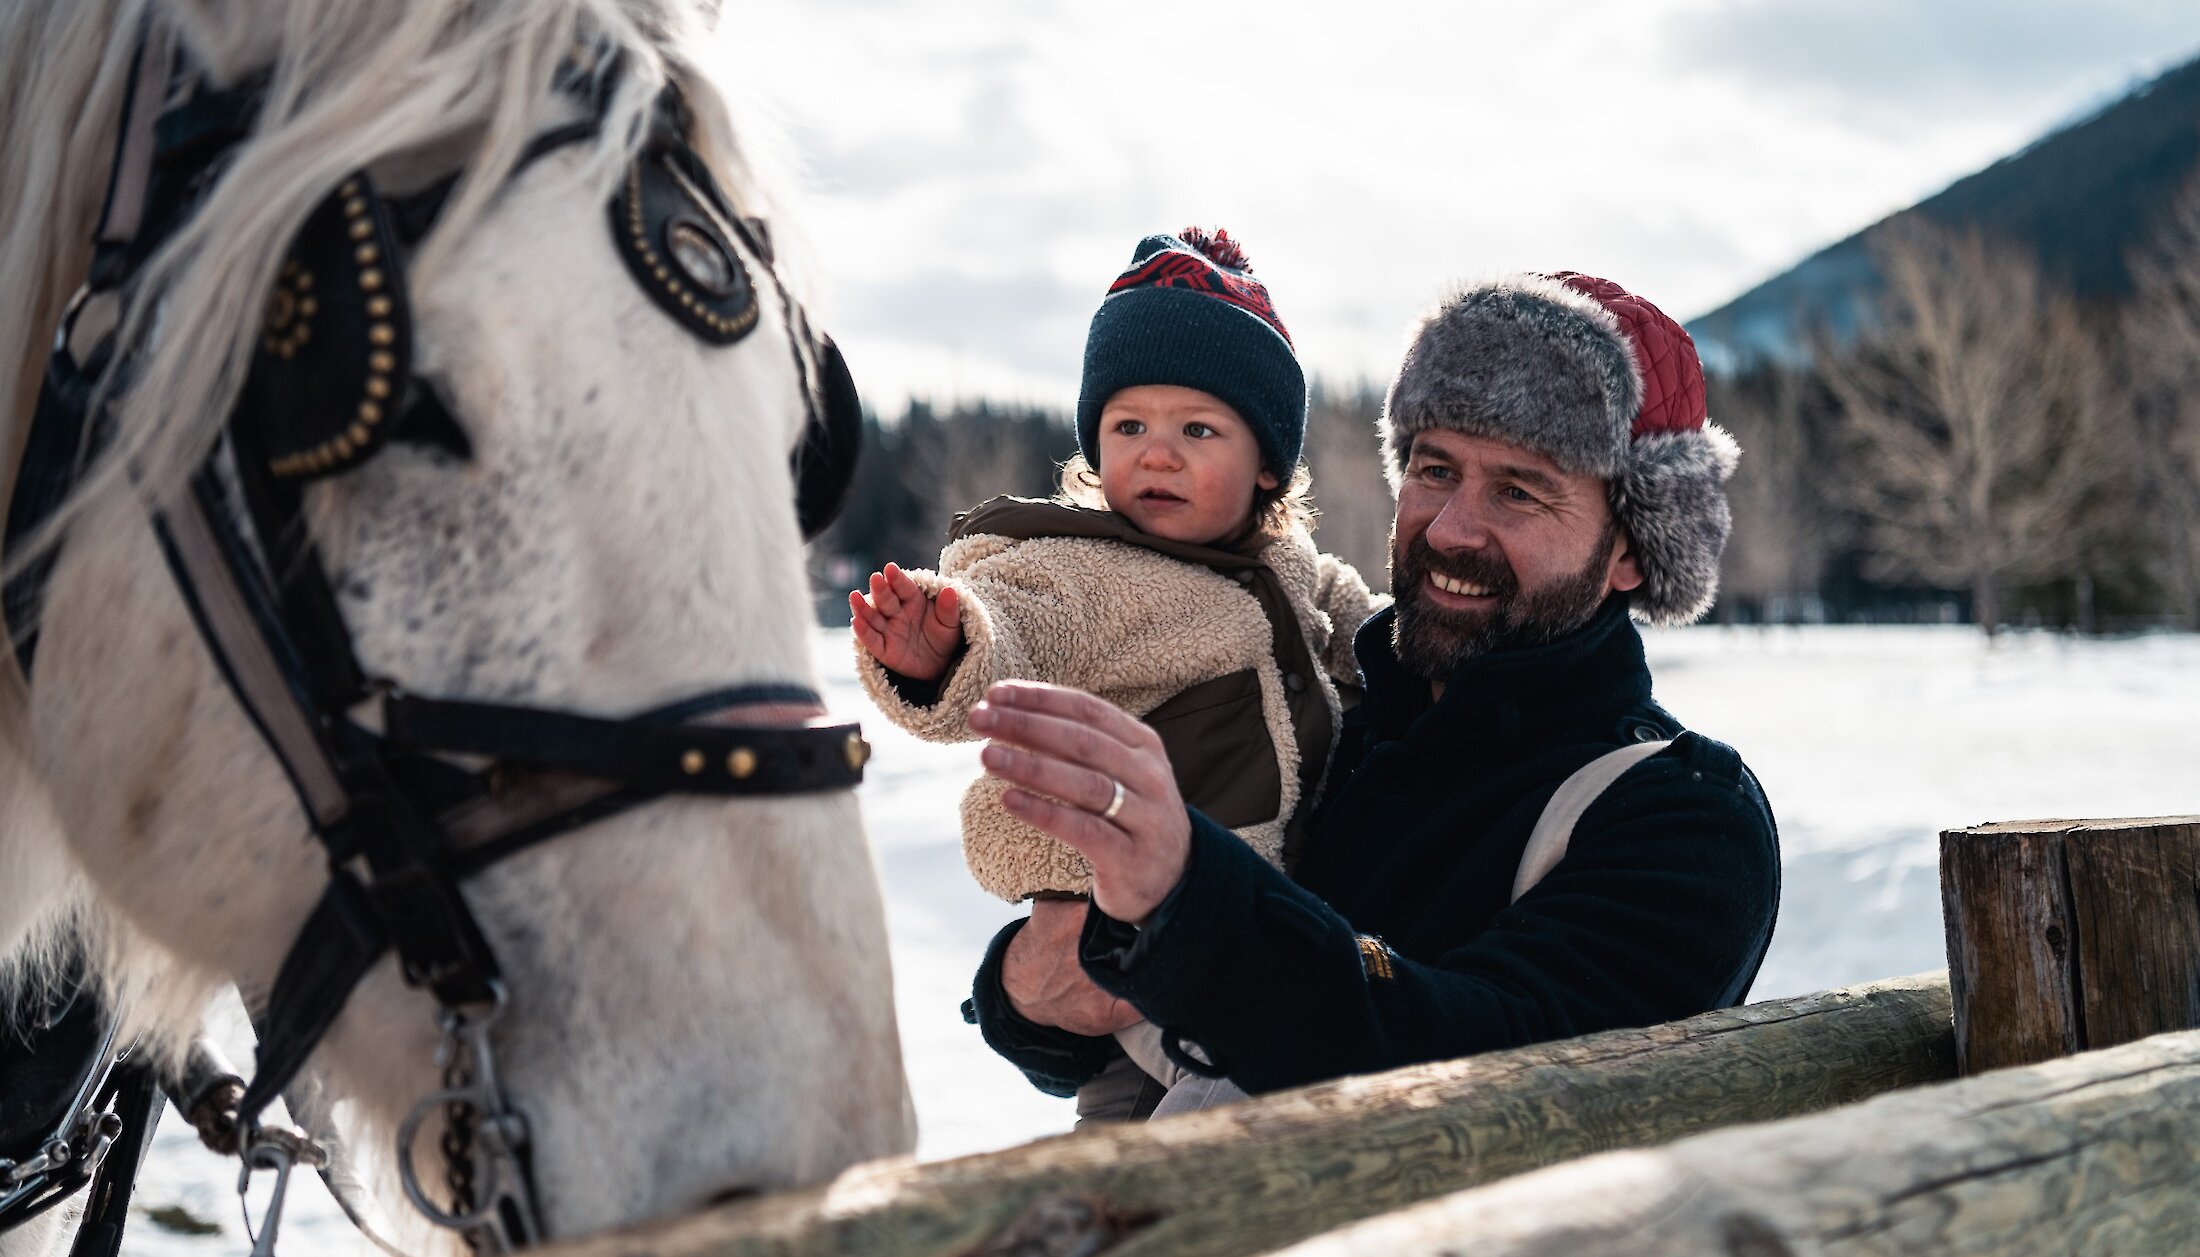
[(1284, 1167), (2088, 1155)]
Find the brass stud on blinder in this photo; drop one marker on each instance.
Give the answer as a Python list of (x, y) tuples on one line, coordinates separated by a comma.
[(857, 750), (741, 762), (691, 762)]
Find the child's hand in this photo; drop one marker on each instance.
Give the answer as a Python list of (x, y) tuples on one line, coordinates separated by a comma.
[(904, 630)]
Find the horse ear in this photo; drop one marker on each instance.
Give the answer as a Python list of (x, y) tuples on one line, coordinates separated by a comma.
[(335, 356), (825, 462)]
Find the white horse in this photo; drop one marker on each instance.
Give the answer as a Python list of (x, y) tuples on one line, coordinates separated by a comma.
[(700, 994)]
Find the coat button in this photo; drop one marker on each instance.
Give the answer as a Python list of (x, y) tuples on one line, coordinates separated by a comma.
[(1294, 682), (1646, 733), (1243, 576)]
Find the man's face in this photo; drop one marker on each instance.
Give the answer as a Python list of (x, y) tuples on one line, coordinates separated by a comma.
[(1497, 546)]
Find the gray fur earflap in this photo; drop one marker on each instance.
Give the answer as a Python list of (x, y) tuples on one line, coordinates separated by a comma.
[(1673, 504), (1524, 359)]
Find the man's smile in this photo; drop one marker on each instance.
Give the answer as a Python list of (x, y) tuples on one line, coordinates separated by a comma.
[(1459, 588)]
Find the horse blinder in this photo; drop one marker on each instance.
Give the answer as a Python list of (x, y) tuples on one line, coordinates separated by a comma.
[(334, 364), (825, 462)]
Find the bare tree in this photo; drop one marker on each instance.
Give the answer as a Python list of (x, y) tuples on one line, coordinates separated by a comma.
[(2162, 344), (1785, 528), (1975, 409), (1346, 459)]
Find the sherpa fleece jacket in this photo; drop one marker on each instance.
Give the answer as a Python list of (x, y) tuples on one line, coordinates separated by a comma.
[(1178, 635), (1395, 940)]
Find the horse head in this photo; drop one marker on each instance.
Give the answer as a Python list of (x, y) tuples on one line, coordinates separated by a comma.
[(529, 469)]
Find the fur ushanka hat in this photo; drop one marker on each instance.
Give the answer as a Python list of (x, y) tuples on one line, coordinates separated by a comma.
[(1603, 383)]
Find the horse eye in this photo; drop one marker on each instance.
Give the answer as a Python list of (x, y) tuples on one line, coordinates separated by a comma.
[(427, 421)]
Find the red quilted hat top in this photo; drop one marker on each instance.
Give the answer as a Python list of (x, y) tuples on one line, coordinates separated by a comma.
[(1672, 378)]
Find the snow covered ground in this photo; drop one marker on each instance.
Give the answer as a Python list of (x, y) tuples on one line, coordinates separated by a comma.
[(1869, 741)]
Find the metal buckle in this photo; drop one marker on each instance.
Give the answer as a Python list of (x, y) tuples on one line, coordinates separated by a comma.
[(281, 1149), (485, 1144), (71, 1155)]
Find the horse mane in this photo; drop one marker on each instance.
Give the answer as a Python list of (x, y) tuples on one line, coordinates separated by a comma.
[(351, 83)]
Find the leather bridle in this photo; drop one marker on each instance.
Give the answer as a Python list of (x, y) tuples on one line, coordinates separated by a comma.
[(409, 794)]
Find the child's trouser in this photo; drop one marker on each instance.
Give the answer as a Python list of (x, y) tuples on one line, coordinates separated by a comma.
[(1144, 1082)]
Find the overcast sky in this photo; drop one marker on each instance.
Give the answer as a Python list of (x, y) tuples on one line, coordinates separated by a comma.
[(973, 172)]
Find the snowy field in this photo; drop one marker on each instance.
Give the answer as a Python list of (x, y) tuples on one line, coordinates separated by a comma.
[(1868, 741)]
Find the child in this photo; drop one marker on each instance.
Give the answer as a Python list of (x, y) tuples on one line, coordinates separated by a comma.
[(1175, 577)]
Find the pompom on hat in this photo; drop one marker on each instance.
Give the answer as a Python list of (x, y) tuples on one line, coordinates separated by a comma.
[(1189, 312), (1605, 384)]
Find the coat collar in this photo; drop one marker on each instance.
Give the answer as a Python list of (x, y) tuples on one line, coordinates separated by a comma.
[(1026, 518), (1500, 699)]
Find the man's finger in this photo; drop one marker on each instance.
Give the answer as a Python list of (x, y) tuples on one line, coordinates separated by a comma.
[(1144, 771), (1073, 705), (1058, 738), (1095, 839), (1082, 788)]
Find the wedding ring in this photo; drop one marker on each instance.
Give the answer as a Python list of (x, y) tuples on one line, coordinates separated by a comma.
[(1115, 804)]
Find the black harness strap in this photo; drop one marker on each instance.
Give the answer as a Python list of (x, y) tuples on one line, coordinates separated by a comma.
[(137, 1102)]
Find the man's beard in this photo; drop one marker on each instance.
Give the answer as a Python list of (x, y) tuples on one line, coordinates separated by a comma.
[(1432, 641)]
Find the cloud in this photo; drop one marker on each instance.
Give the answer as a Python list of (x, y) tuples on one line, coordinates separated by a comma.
[(1027, 321), (982, 167), (1901, 60)]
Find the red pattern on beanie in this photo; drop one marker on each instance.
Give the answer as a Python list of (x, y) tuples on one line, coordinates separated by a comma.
[(1213, 264), (1672, 376)]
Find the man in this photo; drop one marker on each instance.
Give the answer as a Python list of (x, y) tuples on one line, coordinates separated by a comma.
[(1547, 439)]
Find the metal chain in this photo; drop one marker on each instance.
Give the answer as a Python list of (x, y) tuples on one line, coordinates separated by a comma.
[(484, 1140), (458, 1124)]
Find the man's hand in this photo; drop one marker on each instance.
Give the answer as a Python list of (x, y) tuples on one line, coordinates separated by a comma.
[(1046, 984), (1089, 774), (903, 629)]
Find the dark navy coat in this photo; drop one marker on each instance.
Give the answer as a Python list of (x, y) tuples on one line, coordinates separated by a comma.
[(1392, 941)]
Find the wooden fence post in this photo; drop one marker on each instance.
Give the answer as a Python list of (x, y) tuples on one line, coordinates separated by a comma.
[(2069, 935)]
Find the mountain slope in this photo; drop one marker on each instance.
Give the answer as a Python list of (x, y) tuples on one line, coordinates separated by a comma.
[(2082, 196)]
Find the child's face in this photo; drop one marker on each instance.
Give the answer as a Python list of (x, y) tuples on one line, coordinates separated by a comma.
[(1179, 463)]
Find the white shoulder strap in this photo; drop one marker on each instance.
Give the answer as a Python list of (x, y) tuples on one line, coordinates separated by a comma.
[(1555, 828)]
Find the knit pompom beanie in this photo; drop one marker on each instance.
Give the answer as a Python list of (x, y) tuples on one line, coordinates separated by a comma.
[(1189, 312)]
